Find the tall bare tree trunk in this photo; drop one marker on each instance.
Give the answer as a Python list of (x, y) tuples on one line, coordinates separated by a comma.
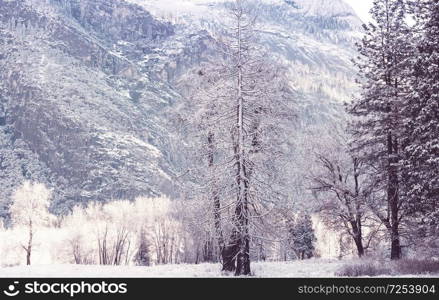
[(217, 209), (393, 197), (357, 224), (241, 213), (230, 252)]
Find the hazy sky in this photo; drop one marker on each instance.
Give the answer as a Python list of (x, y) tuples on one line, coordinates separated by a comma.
[(362, 8)]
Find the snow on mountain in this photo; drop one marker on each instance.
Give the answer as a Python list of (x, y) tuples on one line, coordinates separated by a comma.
[(326, 8), (81, 112), (85, 85), (312, 36)]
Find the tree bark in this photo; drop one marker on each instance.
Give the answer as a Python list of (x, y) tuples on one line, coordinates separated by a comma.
[(29, 245), (217, 209), (393, 197), (208, 251), (357, 237), (241, 211), (360, 247), (243, 257), (230, 252), (357, 225)]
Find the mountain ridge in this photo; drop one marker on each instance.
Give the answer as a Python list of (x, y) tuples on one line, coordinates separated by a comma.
[(86, 85)]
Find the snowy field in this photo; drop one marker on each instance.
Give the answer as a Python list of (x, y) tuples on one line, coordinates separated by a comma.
[(291, 269), (308, 268)]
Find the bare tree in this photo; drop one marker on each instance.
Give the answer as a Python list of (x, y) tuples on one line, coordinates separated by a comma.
[(30, 209), (239, 109), (343, 195)]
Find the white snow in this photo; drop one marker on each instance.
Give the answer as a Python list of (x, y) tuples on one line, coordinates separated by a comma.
[(307, 268), (327, 8), (312, 268)]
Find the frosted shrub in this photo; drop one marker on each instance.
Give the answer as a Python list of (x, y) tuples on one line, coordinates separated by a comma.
[(163, 232), (30, 210), (98, 234), (142, 232), (80, 241), (124, 232), (393, 268), (10, 251)]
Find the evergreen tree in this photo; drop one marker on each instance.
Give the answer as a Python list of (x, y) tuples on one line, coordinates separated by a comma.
[(302, 236), (143, 256), (421, 131), (384, 52)]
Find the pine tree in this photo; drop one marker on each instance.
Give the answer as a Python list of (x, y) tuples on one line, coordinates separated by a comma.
[(384, 52), (143, 255), (302, 236), (421, 130)]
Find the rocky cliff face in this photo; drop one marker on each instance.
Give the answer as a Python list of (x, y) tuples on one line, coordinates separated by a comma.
[(79, 110), (85, 85), (314, 38)]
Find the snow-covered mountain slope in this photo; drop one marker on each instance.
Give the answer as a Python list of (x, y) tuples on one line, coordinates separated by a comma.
[(81, 113), (314, 37), (85, 84)]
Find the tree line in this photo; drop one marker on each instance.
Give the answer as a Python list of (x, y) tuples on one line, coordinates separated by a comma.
[(388, 174), (376, 178)]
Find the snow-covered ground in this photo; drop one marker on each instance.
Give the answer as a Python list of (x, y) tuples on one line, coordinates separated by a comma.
[(308, 268), (311, 268)]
